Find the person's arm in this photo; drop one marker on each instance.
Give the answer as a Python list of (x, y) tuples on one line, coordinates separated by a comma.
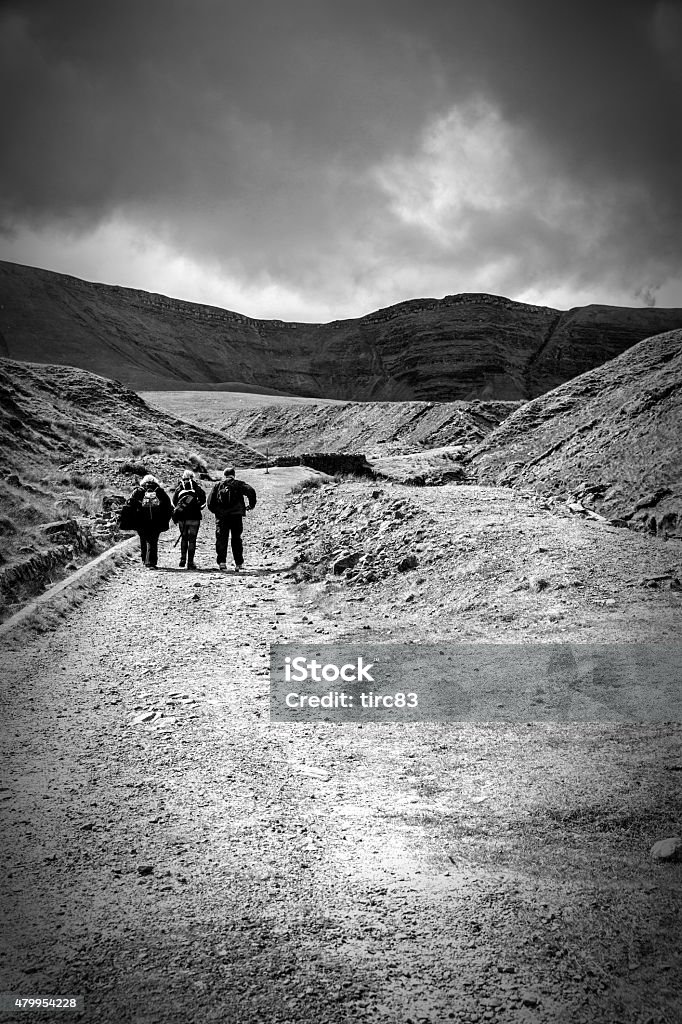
[(251, 495), (201, 495)]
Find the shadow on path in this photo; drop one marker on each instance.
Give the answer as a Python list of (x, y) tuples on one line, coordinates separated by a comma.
[(215, 571)]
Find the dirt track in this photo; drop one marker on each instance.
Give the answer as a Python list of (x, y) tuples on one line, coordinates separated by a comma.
[(188, 869)]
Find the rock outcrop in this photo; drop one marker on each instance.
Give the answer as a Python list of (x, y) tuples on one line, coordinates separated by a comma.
[(467, 346)]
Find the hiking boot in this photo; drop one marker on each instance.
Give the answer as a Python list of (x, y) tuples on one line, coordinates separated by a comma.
[(181, 563), (222, 566), (191, 565), (238, 567)]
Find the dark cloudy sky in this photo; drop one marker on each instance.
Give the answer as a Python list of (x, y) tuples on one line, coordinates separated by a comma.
[(314, 159)]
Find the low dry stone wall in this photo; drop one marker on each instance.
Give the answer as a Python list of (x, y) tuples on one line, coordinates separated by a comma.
[(64, 541), (329, 462)]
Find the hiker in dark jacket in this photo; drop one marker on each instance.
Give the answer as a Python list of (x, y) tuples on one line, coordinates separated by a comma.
[(188, 500), (153, 507), (228, 501)]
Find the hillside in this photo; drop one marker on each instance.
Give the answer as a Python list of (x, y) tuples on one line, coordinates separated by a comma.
[(611, 439), (371, 428), (461, 347), (73, 444)]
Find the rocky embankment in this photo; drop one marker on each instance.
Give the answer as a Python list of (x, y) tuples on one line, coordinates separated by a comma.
[(610, 440), (471, 559), (74, 445), (467, 346)]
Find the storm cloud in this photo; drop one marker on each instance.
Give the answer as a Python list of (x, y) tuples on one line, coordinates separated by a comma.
[(321, 158)]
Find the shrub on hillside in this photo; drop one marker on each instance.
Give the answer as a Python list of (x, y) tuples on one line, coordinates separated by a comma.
[(81, 481), (134, 469), (311, 483), (7, 526)]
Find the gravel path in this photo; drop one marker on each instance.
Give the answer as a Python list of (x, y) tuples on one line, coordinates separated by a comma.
[(171, 855)]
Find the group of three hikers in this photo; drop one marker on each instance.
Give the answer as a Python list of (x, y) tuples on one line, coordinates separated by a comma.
[(149, 510)]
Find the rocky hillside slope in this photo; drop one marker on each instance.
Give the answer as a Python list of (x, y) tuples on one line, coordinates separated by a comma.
[(73, 444), (373, 428), (611, 439), (468, 346)]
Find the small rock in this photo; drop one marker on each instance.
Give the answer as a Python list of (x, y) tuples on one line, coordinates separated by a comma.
[(146, 716), (538, 583), (348, 560), (667, 849), (145, 869), (408, 562), (313, 773)]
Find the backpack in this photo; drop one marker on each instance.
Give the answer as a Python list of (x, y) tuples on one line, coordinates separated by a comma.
[(187, 505), (228, 498), (150, 502)]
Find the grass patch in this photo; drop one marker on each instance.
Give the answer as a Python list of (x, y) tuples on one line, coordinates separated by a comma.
[(81, 481)]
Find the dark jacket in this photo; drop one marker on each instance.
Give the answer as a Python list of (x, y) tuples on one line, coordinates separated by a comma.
[(188, 510), (229, 498), (155, 519)]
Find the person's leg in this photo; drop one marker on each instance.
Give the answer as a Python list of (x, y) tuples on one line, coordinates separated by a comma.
[(237, 548), (153, 550), (222, 533), (183, 544), (191, 531), (143, 546)]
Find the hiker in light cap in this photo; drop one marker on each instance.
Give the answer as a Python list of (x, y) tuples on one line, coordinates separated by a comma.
[(228, 502), (188, 500), (153, 509)]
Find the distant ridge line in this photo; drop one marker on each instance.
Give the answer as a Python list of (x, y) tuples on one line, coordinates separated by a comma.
[(466, 346)]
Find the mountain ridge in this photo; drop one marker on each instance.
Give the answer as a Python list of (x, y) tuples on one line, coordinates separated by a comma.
[(465, 346)]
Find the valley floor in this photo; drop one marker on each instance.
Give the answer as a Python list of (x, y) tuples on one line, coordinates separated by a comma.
[(173, 856)]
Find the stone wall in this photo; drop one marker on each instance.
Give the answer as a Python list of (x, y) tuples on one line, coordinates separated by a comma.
[(64, 541), (330, 463)]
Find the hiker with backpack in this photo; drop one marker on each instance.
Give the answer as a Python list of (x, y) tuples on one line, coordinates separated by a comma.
[(152, 513), (188, 500), (228, 502)]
